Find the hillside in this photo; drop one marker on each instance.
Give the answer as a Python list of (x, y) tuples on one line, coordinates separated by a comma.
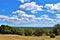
[(18, 37)]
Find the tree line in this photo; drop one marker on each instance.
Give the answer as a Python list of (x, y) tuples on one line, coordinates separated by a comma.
[(55, 31)]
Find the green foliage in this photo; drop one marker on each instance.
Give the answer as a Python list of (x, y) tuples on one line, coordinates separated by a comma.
[(5, 29), (57, 26), (28, 32), (19, 31), (55, 31), (52, 35), (47, 34), (38, 32)]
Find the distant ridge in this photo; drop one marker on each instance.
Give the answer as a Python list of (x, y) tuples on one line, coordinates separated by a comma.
[(35, 27)]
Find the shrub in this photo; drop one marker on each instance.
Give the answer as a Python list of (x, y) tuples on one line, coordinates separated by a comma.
[(5, 29), (28, 32), (47, 34), (19, 31), (38, 32), (52, 35), (55, 31)]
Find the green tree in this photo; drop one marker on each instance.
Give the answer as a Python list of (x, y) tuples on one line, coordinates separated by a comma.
[(56, 32), (56, 29), (38, 32), (19, 31), (52, 35), (28, 32), (57, 26), (5, 29)]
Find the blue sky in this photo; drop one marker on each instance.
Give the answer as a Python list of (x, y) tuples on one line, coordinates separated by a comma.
[(30, 13)]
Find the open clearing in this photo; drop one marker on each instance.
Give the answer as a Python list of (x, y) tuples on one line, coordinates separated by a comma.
[(18, 37)]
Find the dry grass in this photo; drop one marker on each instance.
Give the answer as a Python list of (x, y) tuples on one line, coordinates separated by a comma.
[(18, 37)]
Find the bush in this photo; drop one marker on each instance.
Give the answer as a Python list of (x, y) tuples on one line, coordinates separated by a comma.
[(37, 32), (5, 29), (28, 32), (52, 35), (19, 31), (47, 34), (55, 31)]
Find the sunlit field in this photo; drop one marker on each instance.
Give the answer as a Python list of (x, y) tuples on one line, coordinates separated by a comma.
[(18, 37)]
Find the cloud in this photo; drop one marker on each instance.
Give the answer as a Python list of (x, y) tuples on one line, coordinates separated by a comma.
[(22, 1), (29, 19), (23, 16), (14, 20), (43, 20), (58, 16), (10, 19), (53, 7), (3, 17), (33, 7)]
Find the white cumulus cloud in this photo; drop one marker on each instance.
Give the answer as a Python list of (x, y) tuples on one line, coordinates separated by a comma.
[(58, 16), (22, 1), (10, 19), (33, 7), (3, 17), (23, 16), (53, 7)]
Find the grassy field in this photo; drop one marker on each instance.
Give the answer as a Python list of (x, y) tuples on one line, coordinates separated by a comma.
[(18, 37)]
